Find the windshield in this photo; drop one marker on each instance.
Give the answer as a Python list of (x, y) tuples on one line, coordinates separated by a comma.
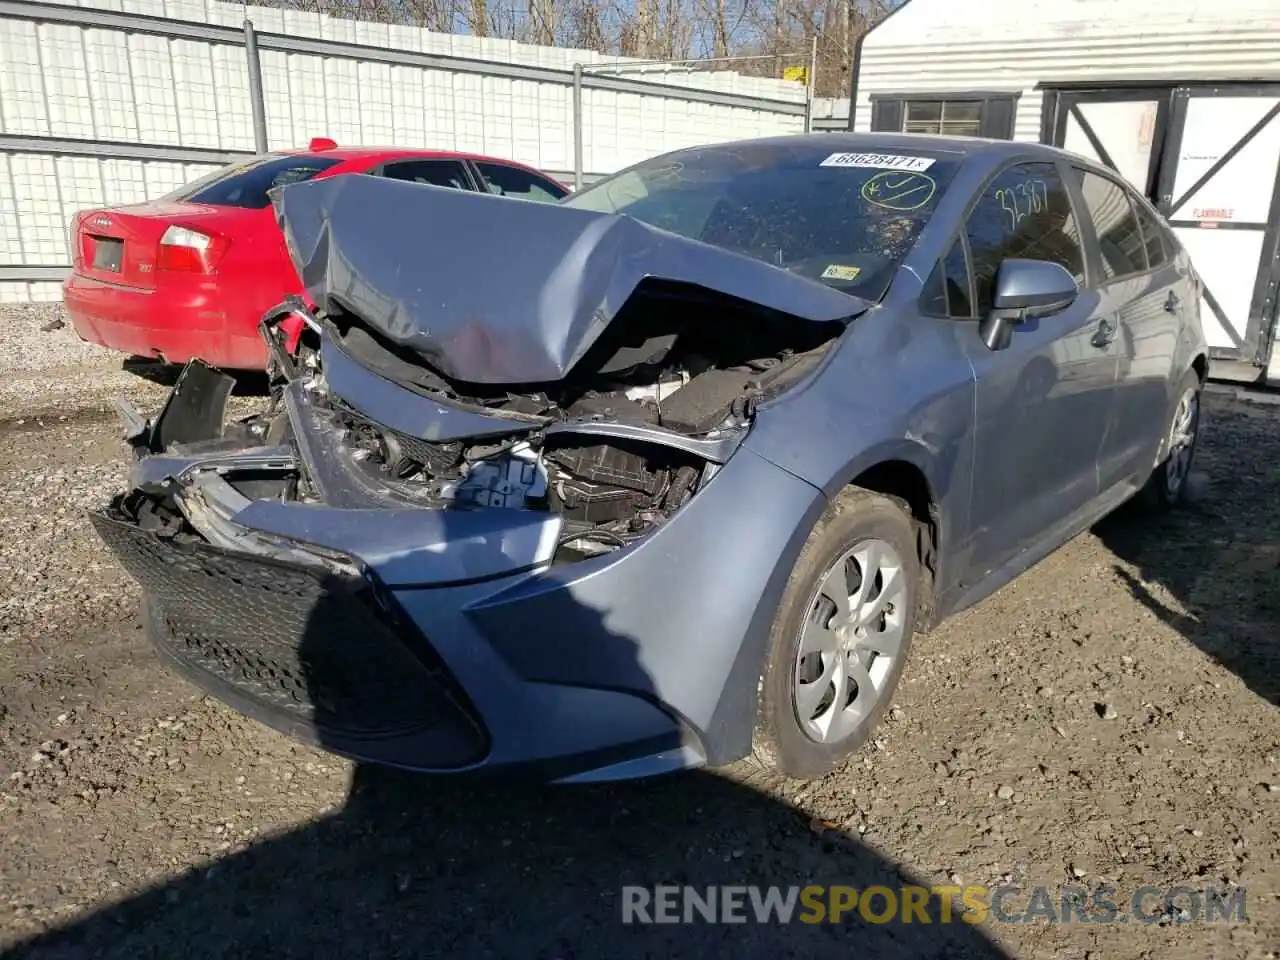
[(245, 184), (844, 219)]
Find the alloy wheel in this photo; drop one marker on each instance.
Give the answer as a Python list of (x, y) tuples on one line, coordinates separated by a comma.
[(850, 642), (1182, 442)]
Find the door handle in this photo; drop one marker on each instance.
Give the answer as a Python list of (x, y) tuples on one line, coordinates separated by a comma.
[(1105, 333), (1172, 303)]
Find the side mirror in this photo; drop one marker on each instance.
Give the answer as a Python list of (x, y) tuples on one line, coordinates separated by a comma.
[(1025, 290)]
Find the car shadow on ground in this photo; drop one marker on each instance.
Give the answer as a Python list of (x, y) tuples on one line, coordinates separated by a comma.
[(1211, 569), (418, 867), (249, 383), (413, 866)]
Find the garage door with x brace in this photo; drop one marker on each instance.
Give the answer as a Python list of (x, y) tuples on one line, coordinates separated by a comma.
[(1224, 207), (1209, 158)]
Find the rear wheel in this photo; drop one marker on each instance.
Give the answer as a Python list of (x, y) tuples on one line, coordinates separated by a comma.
[(841, 636), (1167, 485)]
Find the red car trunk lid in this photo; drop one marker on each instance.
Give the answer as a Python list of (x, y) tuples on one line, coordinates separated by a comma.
[(121, 244)]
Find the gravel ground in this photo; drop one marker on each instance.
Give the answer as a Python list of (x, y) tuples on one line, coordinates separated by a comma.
[(46, 369), (1110, 718)]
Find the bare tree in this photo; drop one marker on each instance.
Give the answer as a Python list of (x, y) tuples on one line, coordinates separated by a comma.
[(780, 30)]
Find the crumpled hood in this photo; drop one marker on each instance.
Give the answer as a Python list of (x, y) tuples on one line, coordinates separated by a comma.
[(495, 290)]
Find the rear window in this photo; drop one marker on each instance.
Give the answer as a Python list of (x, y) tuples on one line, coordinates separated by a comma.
[(246, 184)]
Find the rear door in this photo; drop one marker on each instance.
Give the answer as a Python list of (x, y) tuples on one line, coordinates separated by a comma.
[(1042, 403), (1138, 279)]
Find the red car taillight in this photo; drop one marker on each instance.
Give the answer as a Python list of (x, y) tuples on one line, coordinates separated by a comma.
[(190, 251)]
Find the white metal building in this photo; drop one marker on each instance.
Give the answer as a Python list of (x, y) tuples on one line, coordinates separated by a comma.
[(1180, 96)]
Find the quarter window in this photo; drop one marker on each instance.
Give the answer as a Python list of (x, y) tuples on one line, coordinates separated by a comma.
[(1153, 236), (1025, 212), (1120, 238), (513, 182)]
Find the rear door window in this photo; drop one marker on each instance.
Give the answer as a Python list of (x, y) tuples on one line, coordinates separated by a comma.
[(1115, 225), (246, 184), (508, 181), (435, 173)]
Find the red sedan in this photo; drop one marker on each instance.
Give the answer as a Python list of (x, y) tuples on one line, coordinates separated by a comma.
[(190, 275)]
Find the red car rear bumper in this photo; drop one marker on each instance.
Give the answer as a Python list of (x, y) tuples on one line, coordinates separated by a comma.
[(175, 324)]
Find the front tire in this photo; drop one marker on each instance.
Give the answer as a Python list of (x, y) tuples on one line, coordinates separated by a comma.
[(841, 636), (1166, 488)]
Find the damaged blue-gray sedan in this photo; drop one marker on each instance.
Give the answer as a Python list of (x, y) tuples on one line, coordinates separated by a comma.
[(671, 473)]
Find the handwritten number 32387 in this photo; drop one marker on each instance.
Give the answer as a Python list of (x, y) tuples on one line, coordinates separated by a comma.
[(1022, 200)]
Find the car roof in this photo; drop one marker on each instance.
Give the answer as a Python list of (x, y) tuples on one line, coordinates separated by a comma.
[(849, 142), (346, 154)]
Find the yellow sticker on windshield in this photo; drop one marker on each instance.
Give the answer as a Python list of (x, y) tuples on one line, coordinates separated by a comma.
[(839, 272), (899, 191)]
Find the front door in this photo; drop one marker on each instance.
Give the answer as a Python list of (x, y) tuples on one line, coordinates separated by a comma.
[(1043, 402)]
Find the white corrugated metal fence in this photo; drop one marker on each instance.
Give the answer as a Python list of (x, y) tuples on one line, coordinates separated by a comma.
[(123, 100)]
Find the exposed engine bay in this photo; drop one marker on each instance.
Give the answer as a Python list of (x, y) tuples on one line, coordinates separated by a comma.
[(642, 422), (677, 363)]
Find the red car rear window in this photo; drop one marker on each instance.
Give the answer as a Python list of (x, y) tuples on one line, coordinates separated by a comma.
[(245, 184)]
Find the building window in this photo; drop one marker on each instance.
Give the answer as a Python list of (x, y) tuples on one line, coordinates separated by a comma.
[(949, 114), (961, 118)]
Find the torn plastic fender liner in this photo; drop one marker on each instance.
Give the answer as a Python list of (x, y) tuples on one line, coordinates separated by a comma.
[(491, 290), (194, 411)]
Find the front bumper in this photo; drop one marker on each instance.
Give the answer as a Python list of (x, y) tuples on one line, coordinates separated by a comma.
[(445, 640), (337, 662), (278, 641)]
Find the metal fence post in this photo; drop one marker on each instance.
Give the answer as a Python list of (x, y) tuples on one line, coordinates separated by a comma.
[(812, 86), (255, 87), (577, 126)]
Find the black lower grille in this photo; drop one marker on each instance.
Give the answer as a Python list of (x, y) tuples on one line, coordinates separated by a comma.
[(438, 458), (311, 646)]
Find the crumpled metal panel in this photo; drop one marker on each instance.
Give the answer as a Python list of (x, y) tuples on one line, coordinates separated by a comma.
[(495, 290)]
